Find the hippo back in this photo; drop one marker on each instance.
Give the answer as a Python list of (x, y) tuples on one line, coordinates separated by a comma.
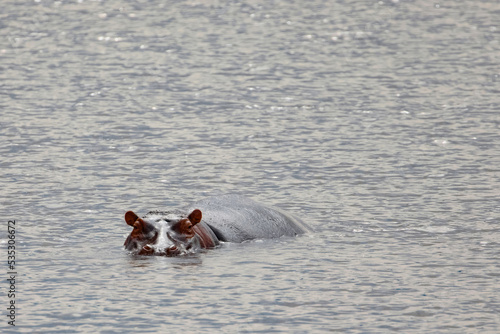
[(236, 218)]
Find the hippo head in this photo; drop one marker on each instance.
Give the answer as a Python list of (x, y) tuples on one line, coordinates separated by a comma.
[(163, 233)]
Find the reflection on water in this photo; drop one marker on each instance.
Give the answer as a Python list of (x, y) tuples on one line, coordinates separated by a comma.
[(376, 122), (146, 262)]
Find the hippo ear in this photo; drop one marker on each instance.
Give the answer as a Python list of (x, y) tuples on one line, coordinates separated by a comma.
[(130, 218), (195, 217)]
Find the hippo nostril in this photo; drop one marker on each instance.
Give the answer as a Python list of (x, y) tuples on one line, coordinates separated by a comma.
[(146, 250), (172, 250)]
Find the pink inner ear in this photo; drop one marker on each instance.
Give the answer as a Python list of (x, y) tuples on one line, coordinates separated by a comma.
[(195, 217), (130, 218)]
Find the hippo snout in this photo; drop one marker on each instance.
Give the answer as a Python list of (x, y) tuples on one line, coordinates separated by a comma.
[(151, 250)]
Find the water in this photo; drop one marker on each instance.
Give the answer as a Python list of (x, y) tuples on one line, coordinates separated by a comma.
[(376, 122)]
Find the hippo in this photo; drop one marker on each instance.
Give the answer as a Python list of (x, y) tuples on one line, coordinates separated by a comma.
[(207, 223)]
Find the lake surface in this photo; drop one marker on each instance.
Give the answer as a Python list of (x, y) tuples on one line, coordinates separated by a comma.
[(378, 123)]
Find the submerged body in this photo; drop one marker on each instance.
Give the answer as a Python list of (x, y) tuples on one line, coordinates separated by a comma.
[(203, 224)]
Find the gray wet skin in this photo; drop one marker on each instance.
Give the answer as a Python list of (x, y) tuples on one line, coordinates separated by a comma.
[(235, 218)]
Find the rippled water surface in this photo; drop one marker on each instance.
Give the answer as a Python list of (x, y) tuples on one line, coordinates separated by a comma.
[(377, 122)]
